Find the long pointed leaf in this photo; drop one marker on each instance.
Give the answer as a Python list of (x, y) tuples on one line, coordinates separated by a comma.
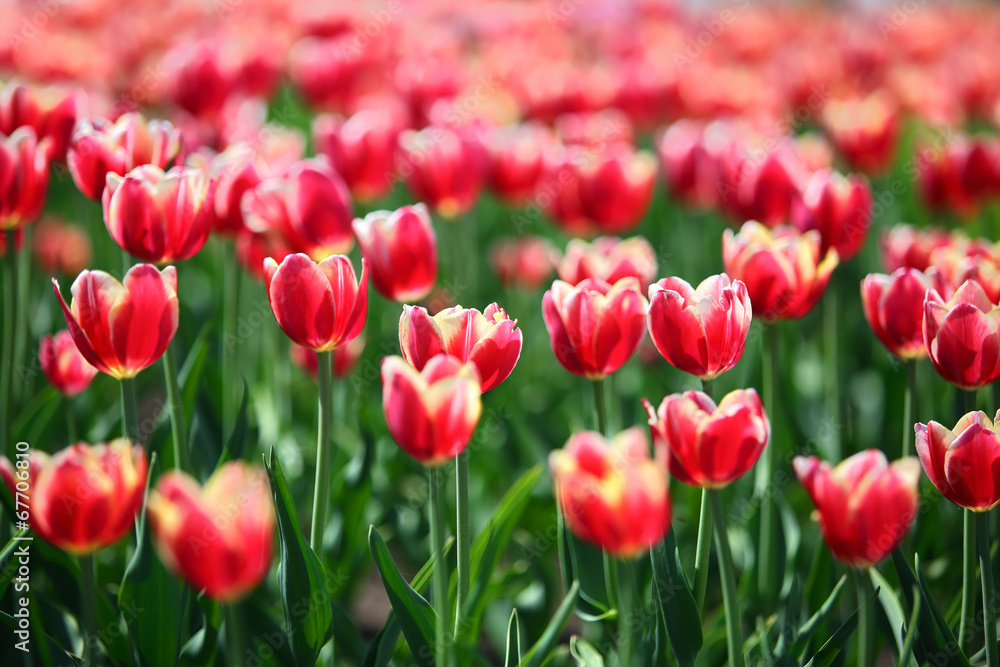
[(822, 614), (584, 654), (513, 657), (547, 642), (681, 615)]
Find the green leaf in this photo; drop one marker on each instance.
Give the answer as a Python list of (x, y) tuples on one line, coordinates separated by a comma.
[(584, 654), (790, 620), (909, 632), (301, 577), (112, 633), (415, 615), (150, 598), (547, 642), (10, 564), (891, 606), (949, 637), (346, 635), (51, 645), (822, 614), (200, 651), (189, 376), (237, 439), (513, 657), (829, 651), (681, 615)]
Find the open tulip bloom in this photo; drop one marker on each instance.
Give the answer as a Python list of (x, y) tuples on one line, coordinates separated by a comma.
[(401, 249), (962, 336), (963, 462)]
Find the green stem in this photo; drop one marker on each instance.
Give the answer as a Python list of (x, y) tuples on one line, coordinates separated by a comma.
[(601, 406), (322, 487), (734, 631), (968, 579), (463, 536), (440, 568), (230, 297), (832, 370), (88, 610), (611, 580), (989, 592), (70, 421), (234, 643), (866, 621), (176, 411), (130, 416), (767, 582), (22, 318), (627, 603), (911, 390), (704, 548), (7, 354)]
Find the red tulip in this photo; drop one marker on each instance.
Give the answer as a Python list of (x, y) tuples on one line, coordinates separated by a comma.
[(100, 147), (612, 494), (401, 249), (309, 205), (48, 110), (60, 248), (690, 169), (705, 444), (964, 259), (594, 327), (158, 216), (941, 179), (865, 505), (488, 340), (616, 187), (701, 331), (527, 261), (864, 131), (839, 208), (517, 160), (219, 538), (440, 169), (123, 327), (431, 413), (906, 246), (761, 189), (964, 462), (961, 336), (84, 497), (783, 269), (252, 249), (320, 306), (24, 178), (361, 148), (345, 358), (199, 79), (66, 369), (609, 259), (595, 129), (894, 308)]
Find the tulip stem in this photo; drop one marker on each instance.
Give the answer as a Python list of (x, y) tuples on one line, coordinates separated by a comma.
[(88, 609), (767, 581), (626, 608), (832, 370), (440, 568), (130, 416), (7, 355), (234, 646), (704, 548), (463, 535), (734, 633), (911, 390), (322, 487), (989, 592), (70, 421), (601, 406), (176, 410), (21, 317), (968, 579), (866, 620), (230, 297)]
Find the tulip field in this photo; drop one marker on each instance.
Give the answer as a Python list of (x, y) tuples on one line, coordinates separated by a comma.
[(435, 334)]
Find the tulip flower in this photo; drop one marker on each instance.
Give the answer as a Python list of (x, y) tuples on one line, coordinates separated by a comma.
[(527, 261), (199, 79), (433, 412), (50, 111), (783, 269), (517, 160), (701, 331), (401, 249), (865, 505), (863, 130), (61, 248), (762, 190), (345, 358), (123, 327), (66, 369), (964, 259), (361, 148), (440, 169), (690, 169), (100, 147), (219, 538), (84, 497), (946, 180), (24, 178), (158, 216), (252, 249), (839, 208), (894, 308), (488, 340), (612, 494), (709, 445), (594, 327), (962, 462), (309, 205), (609, 259), (320, 306), (906, 246), (595, 129), (961, 336)]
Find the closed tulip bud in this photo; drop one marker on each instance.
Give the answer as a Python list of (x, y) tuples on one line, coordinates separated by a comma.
[(345, 358), (894, 308), (309, 205), (50, 111), (441, 170), (783, 269), (24, 178), (489, 340), (612, 494), (701, 331), (527, 262), (839, 208), (517, 160), (616, 187), (361, 148), (865, 506), (906, 246), (431, 413), (66, 369), (705, 444), (864, 131), (84, 497), (595, 327), (963, 462), (100, 147), (160, 217), (981, 171), (764, 191), (961, 336), (123, 327), (609, 259), (219, 538), (401, 249), (320, 306)]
